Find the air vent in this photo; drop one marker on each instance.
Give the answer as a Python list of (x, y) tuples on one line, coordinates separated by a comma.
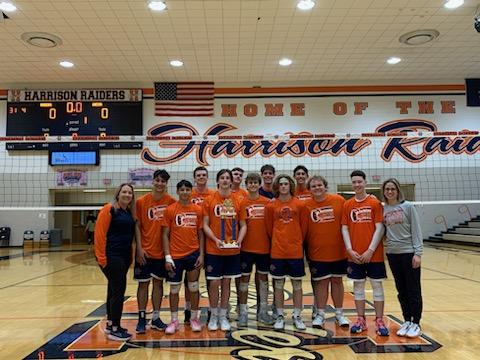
[(41, 39), (418, 37)]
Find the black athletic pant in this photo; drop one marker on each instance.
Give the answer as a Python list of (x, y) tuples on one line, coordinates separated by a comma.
[(116, 274), (407, 281)]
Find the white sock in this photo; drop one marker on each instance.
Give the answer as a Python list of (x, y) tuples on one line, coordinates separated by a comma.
[(155, 315), (296, 312), (223, 313), (174, 315), (214, 312), (243, 308), (338, 312), (279, 312)]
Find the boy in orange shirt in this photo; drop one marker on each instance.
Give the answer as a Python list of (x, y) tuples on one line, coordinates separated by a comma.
[(183, 244), (201, 191), (221, 265), (286, 230), (300, 174), (362, 231), (237, 176), (255, 250), (326, 253), (150, 260)]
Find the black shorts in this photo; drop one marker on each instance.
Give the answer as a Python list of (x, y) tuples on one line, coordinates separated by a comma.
[(320, 270), (373, 270), (293, 268), (152, 268), (187, 263), (261, 261), (218, 266)]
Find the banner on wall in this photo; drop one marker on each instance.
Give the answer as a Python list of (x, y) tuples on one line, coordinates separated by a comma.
[(71, 178), (140, 177)]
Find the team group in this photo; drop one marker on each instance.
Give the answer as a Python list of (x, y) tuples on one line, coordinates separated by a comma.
[(277, 222)]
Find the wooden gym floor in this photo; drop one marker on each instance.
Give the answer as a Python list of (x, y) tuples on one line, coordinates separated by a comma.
[(52, 307)]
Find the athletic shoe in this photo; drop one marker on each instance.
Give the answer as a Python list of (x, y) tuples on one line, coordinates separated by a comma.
[(195, 325), (141, 326), (119, 335), (224, 324), (172, 327), (243, 319), (318, 321), (298, 322), (158, 324), (404, 328), (414, 331), (213, 323), (265, 318), (342, 321), (380, 327), (359, 326), (279, 323), (188, 316)]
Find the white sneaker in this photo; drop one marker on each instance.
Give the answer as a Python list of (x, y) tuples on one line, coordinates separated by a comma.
[(342, 321), (279, 323), (318, 321), (242, 319), (414, 331), (224, 324), (213, 323), (298, 322), (404, 328)]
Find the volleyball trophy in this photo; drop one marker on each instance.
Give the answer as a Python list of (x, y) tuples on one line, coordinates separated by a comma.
[(227, 212)]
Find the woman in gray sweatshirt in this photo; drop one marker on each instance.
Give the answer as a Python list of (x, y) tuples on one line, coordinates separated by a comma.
[(404, 251)]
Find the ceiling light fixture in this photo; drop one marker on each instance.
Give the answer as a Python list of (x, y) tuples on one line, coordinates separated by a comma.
[(285, 62), (7, 6), (157, 5), (66, 64), (176, 63), (305, 4), (453, 4), (393, 60)]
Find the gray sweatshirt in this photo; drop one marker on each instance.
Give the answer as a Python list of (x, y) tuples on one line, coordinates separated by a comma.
[(403, 229)]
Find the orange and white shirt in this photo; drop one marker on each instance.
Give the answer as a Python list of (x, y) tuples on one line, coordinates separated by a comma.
[(198, 198), (184, 223), (303, 194), (212, 207), (285, 228), (241, 194), (324, 228), (361, 217), (256, 240), (150, 217)]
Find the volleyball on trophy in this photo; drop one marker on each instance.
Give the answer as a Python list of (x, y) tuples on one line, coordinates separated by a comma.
[(227, 213)]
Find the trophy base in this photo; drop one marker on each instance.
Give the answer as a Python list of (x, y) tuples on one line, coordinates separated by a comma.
[(231, 245)]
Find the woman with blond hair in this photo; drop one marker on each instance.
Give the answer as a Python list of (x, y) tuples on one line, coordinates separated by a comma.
[(114, 233)]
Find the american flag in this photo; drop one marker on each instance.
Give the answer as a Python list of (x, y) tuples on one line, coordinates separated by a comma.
[(184, 99)]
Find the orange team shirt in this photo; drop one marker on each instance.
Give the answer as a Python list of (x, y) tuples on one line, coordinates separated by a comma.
[(198, 197), (184, 223), (240, 194), (150, 217), (285, 228), (324, 228), (304, 194), (256, 240), (360, 217), (211, 208)]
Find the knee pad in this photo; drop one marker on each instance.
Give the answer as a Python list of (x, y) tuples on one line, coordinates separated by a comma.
[(243, 286), (193, 286), (175, 288), (279, 283), (297, 285), (359, 290), (377, 288)]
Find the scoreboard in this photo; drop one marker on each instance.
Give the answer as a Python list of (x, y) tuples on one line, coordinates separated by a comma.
[(75, 113)]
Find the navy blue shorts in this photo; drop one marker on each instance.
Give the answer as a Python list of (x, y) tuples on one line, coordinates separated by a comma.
[(320, 270), (261, 261), (186, 263), (293, 268), (218, 267), (152, 268), (373, 270)]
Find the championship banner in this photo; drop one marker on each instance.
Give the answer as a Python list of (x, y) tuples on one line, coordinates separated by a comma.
[(140, 177), (71, 178)]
